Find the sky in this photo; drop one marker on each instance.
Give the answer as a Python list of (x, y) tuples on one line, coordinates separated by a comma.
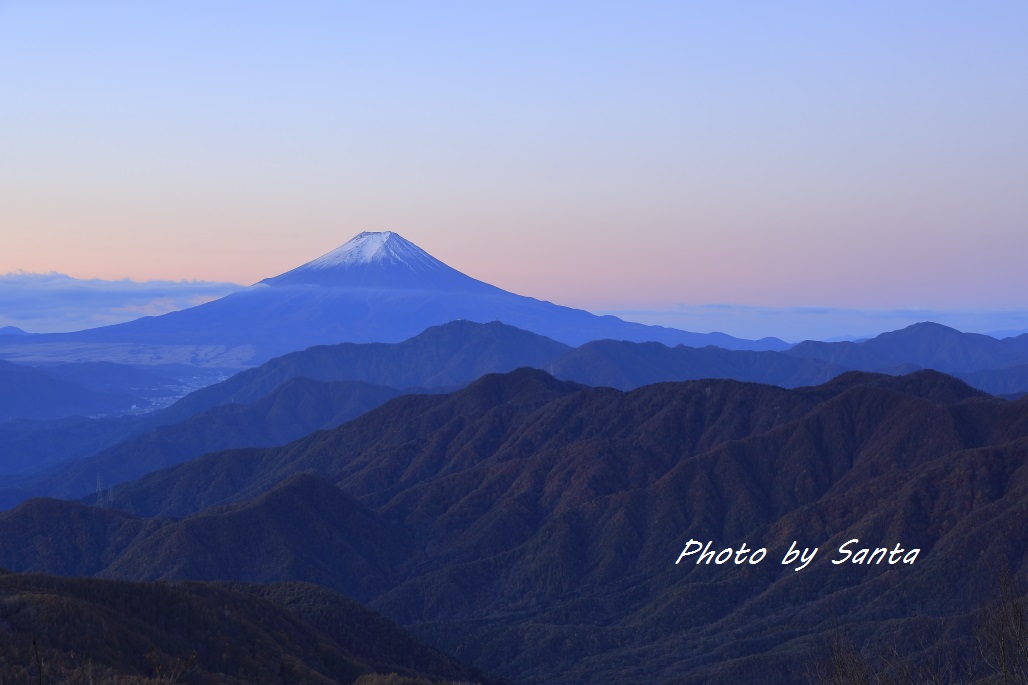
[(713, 164)]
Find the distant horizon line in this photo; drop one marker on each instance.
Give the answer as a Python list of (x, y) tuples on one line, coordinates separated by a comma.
[(43, 303)]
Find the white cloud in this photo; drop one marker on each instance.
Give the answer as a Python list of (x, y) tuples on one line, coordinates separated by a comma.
[(54, 302)]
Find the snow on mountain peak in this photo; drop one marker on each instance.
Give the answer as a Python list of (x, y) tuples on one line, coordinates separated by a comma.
[(364, 248), (370, 247), (370, 259)]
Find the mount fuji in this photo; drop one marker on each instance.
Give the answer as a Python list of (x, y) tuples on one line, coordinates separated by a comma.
[(378, 287)]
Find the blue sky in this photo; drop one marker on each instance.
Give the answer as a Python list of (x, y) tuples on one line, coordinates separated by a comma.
[(614, 156)]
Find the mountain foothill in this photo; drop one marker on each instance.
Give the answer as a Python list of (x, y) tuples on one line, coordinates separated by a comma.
[(417, 477)]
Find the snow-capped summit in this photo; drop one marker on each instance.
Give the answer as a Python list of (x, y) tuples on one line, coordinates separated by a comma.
[(370, 246), (380, 260), (377, 287)]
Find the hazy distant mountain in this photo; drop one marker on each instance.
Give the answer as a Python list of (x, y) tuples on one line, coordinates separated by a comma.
[(1011, 333), (11, 330), (281, 400), (446, 356), (297, 407), (32, 445), (378, 287), (458, 352), (449, 355), (111, 377), (443, 356), (535, 523), (54, 391), (927, 345), (1009, 381), (29, 446), (29, 393), (996, 366), (626, 365)]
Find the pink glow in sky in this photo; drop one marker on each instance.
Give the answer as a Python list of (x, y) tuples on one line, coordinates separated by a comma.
[(641, 155)]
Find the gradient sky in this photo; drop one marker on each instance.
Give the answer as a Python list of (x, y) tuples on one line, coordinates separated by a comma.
[(638, 155)]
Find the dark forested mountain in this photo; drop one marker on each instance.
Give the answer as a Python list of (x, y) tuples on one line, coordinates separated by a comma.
[(304, 529), (96, 631), (534, 524), (378, 287), (65, 538)]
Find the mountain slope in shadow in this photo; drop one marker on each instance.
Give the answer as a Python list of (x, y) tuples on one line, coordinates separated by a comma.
[(536, 523)]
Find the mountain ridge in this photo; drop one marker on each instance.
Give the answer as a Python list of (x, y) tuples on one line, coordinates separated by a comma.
[(927, 344), (440, 358), (340, 300), (540, 507)]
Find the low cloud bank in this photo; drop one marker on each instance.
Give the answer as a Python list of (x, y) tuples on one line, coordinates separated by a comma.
[(54, 302)]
